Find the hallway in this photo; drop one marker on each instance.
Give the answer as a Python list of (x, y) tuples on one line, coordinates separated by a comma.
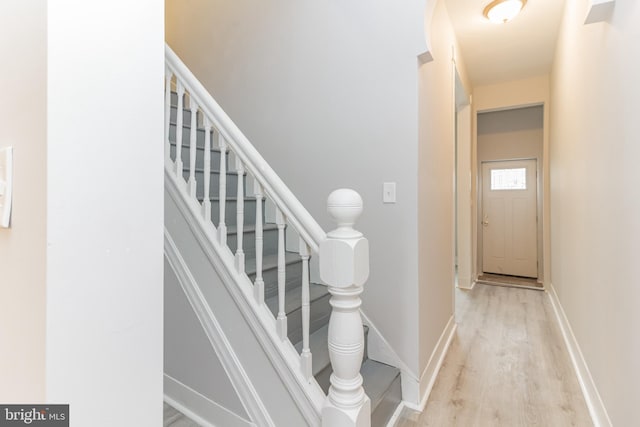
[(507, 366)]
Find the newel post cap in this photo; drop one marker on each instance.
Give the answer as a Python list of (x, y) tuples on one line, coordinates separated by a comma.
[(344, 254), (345, 206)]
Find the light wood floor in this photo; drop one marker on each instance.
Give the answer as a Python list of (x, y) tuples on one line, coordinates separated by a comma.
[(507, 366)]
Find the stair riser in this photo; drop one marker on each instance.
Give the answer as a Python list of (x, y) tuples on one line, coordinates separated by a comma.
[(320, 310), (186, 136), (269, 242), (293, 278), (215, 153), (214, 183), (230, 212)]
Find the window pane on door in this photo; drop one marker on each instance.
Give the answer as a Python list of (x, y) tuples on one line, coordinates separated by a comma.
[(509, 179)]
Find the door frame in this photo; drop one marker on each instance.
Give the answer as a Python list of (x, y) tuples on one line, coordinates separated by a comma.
[(480, 228)]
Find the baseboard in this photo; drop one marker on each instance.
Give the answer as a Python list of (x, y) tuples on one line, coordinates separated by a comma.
[(468, 288), (198, 407), (416, 393), (596, 407)]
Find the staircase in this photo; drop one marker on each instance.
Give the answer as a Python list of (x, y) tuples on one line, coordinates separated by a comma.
[(255, 230)]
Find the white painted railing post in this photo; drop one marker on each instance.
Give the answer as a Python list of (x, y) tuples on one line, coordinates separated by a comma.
[(344, 266), (167, 115)]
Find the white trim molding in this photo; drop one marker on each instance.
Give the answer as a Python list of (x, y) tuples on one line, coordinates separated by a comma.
[(197, 407), (599, 11), (415, 393), (594, 402)]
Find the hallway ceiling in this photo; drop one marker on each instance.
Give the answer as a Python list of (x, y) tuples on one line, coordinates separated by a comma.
[(518, 49)]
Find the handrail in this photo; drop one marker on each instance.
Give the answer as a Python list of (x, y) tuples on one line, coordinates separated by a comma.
[(286, 201), (343, 253)]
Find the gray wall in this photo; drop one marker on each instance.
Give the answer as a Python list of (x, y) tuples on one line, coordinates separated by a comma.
[(188, 354)]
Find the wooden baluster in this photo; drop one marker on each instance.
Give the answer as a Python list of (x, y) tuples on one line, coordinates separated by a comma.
[(192, 146), (222, 193), (259, 282), (179, 124), (206, 202), (167, 115), (344, 266), (305, 356), (282, 315), (240, 215)]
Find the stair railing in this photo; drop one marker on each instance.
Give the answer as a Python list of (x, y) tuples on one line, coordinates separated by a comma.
[(343, 253)]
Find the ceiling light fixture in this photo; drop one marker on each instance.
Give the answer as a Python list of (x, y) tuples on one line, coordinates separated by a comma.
[(503, 11)]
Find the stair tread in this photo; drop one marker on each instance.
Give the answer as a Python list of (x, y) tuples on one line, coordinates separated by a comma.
[(201, 148), (293, 298), (185, 168), (377, 378), (270, 261), (266, 226), (319, 349), (228, 199)]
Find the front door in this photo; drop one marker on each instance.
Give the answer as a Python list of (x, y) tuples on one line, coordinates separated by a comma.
[(509, 218)]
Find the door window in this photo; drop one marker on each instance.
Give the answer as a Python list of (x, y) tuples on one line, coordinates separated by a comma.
[(509, 179)]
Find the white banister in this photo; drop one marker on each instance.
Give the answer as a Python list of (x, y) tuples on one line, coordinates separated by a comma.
[(240, 216), (297, 215), (179, 124), (344, 266), (343, 253), (206, 201), (222, 191), (193, 134), (167, 115), (259, 282), (305, 356), (282, 315)]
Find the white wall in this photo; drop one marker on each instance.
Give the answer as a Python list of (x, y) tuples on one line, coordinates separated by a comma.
[(436, 185), (513, 134), (596, 198), (105, 210), (327, 92), (23, 121)]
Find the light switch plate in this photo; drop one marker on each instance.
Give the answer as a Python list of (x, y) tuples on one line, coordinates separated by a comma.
[(6, 185), (389, 192)]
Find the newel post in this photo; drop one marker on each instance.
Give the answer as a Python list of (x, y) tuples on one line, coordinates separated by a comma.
[(344, 266)]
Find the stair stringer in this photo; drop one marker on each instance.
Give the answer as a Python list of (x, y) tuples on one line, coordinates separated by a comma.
[(276, 377)]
